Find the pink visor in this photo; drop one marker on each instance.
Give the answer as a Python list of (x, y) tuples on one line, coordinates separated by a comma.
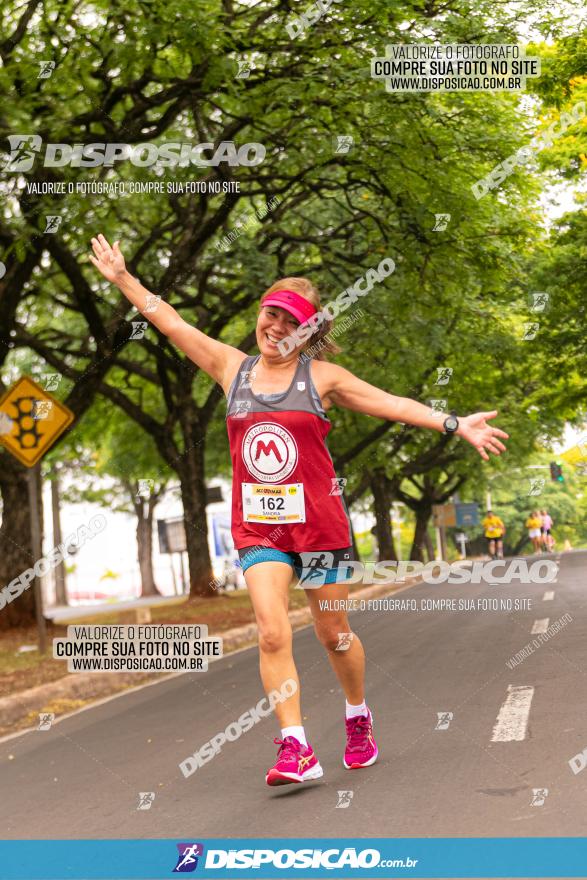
[(292, 302)]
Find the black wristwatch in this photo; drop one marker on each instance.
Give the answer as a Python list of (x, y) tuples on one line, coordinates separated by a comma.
[(451, 423)]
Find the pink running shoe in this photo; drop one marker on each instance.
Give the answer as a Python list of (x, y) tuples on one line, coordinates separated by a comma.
[(295, 763), (361, 748)]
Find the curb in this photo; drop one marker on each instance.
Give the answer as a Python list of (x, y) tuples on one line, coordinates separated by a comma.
[(92, 685)]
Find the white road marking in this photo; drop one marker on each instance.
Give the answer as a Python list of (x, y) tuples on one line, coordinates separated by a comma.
[(512, 721), (540, 626), (548, 596)]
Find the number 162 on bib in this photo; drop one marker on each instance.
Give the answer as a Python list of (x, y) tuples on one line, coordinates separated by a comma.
[(281, 503)]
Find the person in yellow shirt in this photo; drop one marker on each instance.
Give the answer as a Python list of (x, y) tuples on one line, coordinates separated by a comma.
[(534, 524), (494, 531)]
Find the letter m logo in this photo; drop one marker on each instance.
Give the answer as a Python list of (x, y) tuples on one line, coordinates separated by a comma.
[(267, 448)]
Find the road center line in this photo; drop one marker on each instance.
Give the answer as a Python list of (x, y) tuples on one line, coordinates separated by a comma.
[(512, 721), (540, 626)]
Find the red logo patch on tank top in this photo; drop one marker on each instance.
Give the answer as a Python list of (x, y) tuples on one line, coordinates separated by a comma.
[(269, 452)]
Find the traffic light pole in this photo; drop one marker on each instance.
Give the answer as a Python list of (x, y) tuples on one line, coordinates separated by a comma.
[(34, 476)]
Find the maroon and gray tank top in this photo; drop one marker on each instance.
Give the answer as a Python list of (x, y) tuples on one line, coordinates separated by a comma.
[(285, 492)]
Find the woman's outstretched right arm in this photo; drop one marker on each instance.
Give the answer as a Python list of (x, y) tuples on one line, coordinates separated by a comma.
[(216, 358)]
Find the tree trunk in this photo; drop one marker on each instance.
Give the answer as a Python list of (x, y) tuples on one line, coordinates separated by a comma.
[(144, 508), (429, 546), (16, 553), (423, 514), (145, 546), (190, 469), (382, 501)]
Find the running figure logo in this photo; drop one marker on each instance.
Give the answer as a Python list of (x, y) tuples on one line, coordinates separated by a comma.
[(46, 719), (23, 149), (242, 409), (441, 222), (344, 799), (536, 486), (51, 381), (247, 377), (539, 795), (315, 567), (42, 409), (530, 330), (539, 302), (144, 489), (438, 407), (138, 329), (444, 374), (152, 301), (343, 143), (52, 222), (444, 719), (344, 641), (338, 484), (146, 799), (244, 69), (188, 857), (46, 69)]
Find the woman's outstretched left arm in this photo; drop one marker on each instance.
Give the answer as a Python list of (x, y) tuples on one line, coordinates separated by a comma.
[(347, 390)]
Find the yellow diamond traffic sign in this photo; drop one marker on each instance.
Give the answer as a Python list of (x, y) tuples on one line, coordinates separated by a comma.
[(31, 420)]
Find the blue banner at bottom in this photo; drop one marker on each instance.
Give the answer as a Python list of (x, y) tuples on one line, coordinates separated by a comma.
[(369, 858)]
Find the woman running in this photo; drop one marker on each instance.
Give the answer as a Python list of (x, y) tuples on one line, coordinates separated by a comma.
[(287, 509), (546, 530), (533, 524)]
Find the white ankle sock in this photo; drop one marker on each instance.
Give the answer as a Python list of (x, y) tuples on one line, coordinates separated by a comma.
[(353, 711), (297, 731)]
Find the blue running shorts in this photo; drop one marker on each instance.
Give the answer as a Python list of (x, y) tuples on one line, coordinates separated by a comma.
[(313, 567)]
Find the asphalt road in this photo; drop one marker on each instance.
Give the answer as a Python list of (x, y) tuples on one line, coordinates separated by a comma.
[(82, 778)]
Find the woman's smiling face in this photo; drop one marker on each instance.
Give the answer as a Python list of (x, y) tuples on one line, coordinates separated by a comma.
[(274, 324)]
